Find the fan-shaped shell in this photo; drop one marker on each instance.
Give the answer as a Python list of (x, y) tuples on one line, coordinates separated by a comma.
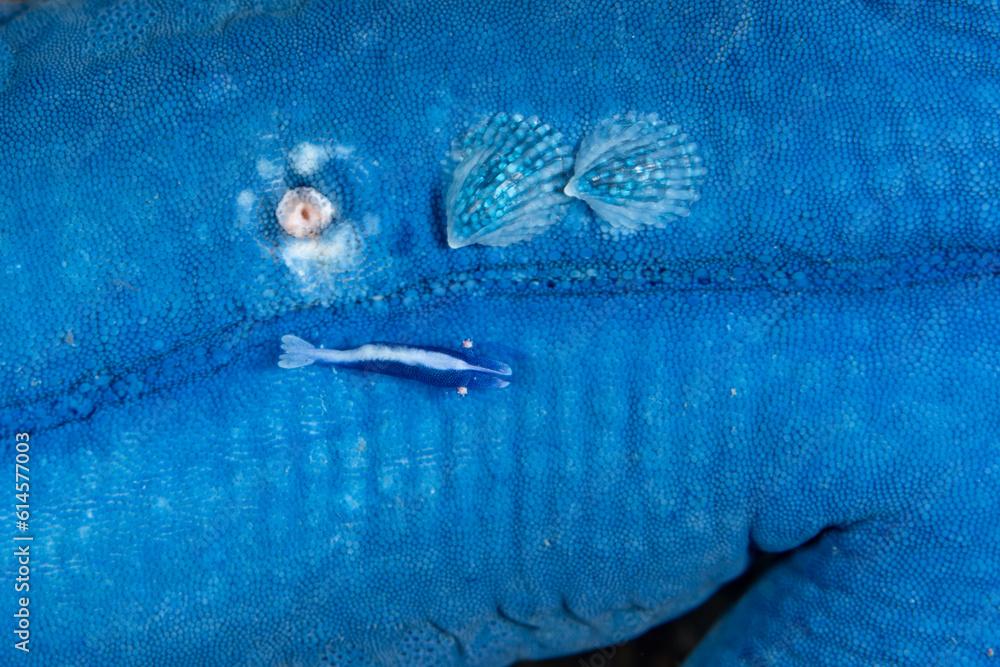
[(507, 185), (637, 172)]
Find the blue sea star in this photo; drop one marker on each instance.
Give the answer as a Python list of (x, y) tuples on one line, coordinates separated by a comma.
[(809, 362)]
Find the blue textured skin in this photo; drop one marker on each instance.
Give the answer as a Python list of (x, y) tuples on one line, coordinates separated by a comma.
[(810, 361)]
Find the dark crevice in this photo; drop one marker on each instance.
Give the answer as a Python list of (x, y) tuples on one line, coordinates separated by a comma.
[(459, 644), (573, 616), (670, 643), (521, 624), (635, 606)]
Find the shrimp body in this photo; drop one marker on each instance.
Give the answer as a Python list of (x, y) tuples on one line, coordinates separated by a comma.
[(430, 365)]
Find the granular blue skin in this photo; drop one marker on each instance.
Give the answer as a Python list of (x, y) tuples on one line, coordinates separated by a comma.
[(809, 362)]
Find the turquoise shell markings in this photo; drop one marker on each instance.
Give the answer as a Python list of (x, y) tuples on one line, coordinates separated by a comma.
[(637, 172), (508, 183)]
